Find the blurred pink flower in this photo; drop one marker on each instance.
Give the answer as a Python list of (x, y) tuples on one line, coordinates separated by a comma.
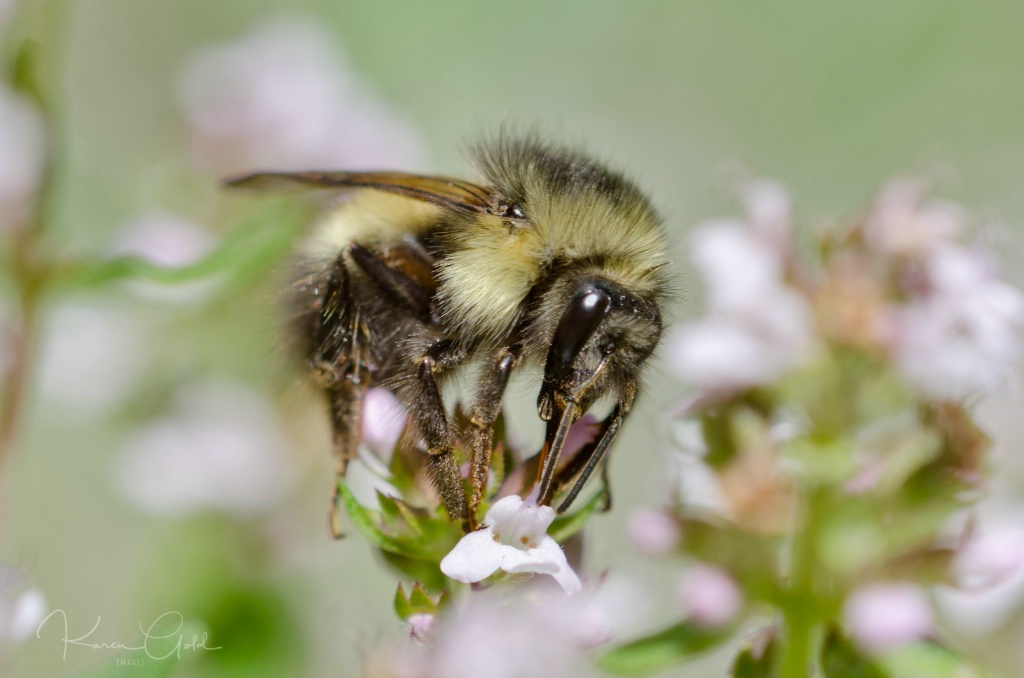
[(22, 606), (990, 557), (514, 539), (958, 335), (881, 617), (23, 149), (989, 572), (383, 422), (709, 596), (93, 358), (282, 98), (508, 639), (654, 531), (522, 633), (756, 328), (220, 449), (164, 239), (770, 212), (904, 222)]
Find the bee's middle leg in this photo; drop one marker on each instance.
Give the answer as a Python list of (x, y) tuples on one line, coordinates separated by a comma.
[(427, 359)]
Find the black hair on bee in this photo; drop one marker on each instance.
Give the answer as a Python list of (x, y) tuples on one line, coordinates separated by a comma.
[(551, 259)]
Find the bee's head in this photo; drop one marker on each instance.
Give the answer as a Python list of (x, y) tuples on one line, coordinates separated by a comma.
[(603, 336)]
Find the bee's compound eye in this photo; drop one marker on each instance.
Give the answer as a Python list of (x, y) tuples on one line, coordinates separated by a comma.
[(578, 323), (513, 210)]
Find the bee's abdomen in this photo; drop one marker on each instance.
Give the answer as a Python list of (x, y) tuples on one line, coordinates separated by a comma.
[(359, 306)]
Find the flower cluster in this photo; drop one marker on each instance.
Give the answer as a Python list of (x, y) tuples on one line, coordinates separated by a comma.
[(282, 98), (827, 453), (391, 499)]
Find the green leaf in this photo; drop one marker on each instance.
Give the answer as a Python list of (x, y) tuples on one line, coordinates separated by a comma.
[(716, 427), (424, 571), (419, 602), (663, 650), (751, 665), (840, 657), (242, 256), (368, 523), (566, 526), (399, 516), (930, 660), (403, 608)]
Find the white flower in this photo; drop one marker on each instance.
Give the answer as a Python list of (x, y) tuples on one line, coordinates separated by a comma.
[(881, 617), (221, 449), (281, 98), (709, 596), (22, 607), (23, 149), (960, 334), (757, 328), (514, 539)]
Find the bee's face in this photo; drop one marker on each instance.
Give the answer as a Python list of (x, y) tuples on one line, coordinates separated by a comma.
[(600, 344)]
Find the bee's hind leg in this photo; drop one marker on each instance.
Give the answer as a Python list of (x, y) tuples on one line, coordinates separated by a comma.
[(346, 406)]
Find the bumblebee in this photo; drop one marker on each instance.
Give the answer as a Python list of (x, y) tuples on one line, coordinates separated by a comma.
[(553, 259)]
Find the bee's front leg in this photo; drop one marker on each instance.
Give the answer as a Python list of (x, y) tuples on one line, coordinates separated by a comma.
[(486, 407), (587, 459)]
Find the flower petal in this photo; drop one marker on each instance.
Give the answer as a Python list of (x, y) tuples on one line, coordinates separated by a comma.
[(531, 560), (503, 509), (547, 558), (474, 558)]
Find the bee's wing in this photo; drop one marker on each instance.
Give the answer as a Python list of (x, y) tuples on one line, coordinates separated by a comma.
[(445, 191)]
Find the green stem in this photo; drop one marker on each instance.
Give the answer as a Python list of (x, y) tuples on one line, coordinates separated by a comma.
[(35, 72), (801, 610)]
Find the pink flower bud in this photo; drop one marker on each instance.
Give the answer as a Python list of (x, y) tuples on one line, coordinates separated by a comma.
[(709, 596), (421, 626), (654, 532), (990, 558), (881, 617)]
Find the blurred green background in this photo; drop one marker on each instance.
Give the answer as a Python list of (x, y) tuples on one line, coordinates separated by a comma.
[(830, 98)]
